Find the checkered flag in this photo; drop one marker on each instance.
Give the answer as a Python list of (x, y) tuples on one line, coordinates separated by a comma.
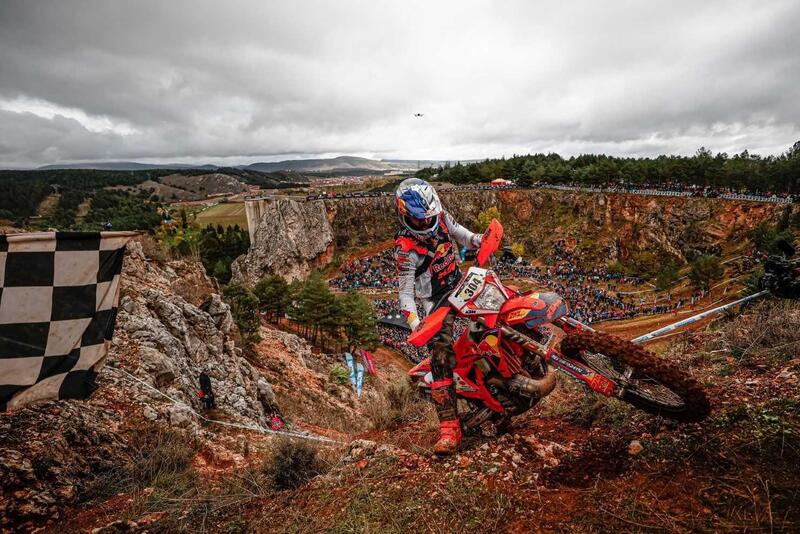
[(58, 304)]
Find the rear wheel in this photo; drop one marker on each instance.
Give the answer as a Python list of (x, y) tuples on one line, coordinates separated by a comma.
[(647, 382)]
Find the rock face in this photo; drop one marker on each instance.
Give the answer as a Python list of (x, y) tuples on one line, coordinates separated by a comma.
[(173, 340), (293, 238), (49, 454)]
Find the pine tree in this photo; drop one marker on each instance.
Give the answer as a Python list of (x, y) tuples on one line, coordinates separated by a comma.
[(316, 302), (244, 308), (705, 269), (221, 271), (358, 319), (273, 296)]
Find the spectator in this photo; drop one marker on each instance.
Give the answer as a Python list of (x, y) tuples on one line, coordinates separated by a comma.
[(206, 394)]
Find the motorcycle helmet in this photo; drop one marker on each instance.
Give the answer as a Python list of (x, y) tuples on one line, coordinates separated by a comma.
[(418, 207)]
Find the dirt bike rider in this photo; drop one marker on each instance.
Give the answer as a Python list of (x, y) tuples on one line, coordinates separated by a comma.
[(427, 269)]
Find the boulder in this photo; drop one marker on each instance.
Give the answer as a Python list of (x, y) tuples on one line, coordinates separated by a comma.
[(179, 416), (291, 239)]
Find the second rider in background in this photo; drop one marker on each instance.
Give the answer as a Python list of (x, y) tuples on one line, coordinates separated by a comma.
[(427, 269)]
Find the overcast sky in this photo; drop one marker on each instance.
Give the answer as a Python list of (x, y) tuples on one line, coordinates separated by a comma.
[(236, 82)]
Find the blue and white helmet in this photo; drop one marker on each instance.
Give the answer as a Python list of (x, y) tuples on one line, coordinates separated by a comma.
[(418, 207)]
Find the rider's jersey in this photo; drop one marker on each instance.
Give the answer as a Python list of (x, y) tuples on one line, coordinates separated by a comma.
[(427, 269)]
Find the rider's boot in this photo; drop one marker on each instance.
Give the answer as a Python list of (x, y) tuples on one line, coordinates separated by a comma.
[(443, 396)]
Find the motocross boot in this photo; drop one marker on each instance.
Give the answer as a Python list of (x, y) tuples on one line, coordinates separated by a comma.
[(443, 396), (443, 392)]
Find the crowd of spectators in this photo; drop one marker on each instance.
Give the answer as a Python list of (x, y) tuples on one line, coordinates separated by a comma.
[(659, 189), (593, 294), (679, 190), (581, 288), (386, 307), (370, 272), (395, 337), (588, 302)]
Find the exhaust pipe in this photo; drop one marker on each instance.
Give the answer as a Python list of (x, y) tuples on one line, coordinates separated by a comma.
[(533, 387)]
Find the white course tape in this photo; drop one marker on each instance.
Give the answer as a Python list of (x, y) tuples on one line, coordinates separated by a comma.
[(255, 428)]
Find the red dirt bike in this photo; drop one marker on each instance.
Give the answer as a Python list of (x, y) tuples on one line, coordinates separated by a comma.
[(507, 356)]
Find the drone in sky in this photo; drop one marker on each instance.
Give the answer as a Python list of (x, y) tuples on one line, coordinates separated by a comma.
[(418, 114)]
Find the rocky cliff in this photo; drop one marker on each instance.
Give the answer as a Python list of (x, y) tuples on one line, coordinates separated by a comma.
[(170, 327), (168, 340), (293, 238)]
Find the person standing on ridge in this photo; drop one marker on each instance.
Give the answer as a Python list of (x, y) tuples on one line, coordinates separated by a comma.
[(427, 270), (205, 393)]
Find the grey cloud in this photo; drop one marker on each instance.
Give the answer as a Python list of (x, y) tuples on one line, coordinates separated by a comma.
[(203, 80)]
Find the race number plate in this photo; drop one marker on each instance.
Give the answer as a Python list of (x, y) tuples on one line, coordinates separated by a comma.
[(468, 288), (472, 283)]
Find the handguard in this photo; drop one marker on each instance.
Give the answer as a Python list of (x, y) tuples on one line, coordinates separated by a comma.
[(490, 241), (429, 327)]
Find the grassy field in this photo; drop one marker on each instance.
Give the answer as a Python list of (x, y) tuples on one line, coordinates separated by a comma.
[(227, 214)]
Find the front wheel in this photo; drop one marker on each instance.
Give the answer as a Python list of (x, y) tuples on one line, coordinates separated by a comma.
[(647, 382)]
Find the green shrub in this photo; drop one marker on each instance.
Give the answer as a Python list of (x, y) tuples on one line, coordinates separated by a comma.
[(705, 269), (340, 375), (668, 276)]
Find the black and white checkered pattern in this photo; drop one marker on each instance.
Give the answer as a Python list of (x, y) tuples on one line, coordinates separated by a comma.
[(58, 305)]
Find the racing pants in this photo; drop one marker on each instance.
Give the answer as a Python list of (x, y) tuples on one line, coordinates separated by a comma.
[(443, 361)]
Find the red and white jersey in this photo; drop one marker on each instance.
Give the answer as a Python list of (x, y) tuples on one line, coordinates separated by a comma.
[(428, 269)]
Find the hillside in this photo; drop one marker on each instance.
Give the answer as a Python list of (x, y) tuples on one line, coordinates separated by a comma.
[(181, 187), (123, 197), (227, 181), (581, 464), (576, 463), (122, 166), (318, 165), (135, 448), (604, 227)]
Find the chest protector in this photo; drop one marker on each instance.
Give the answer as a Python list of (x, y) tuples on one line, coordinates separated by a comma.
[(439, 258)]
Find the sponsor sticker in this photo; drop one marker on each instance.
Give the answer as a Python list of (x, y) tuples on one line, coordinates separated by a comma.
[(568, 365), (602, 384)]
